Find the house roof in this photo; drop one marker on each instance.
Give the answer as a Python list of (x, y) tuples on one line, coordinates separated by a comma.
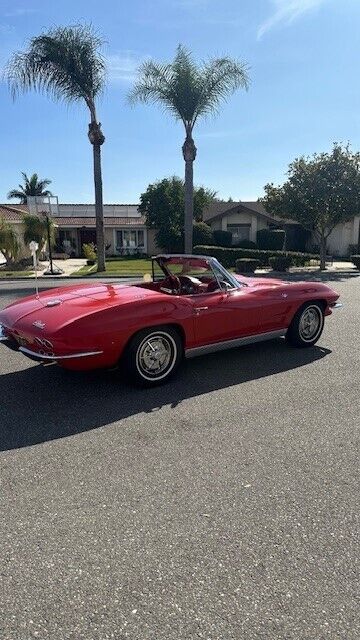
[(90, 221), (220, 208), (13, 212)]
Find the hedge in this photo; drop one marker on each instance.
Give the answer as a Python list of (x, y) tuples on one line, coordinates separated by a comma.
[(356, 261), (222, 238), (280, 263), (227, 257), (272, 240), (246, 265)]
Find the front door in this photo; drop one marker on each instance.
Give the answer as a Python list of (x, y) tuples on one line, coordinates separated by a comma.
[(87, 236)]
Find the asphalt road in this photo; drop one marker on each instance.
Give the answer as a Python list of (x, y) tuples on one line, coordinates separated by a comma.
[(224, 505)]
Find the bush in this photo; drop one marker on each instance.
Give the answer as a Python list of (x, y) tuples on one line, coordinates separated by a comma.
[(271, 239), (356, 260), (280, 263), (202, 233), (246, 244), (246, 265), (89, 252), (228, 256), (222, 238)]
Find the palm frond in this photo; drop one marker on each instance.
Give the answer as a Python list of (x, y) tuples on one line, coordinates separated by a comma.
[(221, 77), (32, 187), (187, 90), (65, 62)]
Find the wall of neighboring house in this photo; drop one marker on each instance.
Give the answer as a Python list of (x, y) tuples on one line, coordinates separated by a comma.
[(342, 236), (254, 221)]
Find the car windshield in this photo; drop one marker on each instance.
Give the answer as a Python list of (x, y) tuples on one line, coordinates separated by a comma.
[(201, 268)]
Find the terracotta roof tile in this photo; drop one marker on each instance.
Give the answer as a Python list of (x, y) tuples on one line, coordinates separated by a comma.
[(89, 221)]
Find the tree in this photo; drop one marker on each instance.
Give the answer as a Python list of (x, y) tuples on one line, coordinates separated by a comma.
[(321, 192), (9, 244), (36, 229), (162, 204), (189, 92), (66, 63), (32, 186)]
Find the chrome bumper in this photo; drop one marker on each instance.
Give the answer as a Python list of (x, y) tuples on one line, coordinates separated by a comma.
[(336, 305), (43, 356)]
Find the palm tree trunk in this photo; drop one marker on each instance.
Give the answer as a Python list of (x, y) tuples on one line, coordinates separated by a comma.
[(99, 211), (189, 153), (97, 138)]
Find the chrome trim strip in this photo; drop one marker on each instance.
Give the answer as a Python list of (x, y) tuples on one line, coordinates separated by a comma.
[(337, 305), (41, 356), (229, 344)]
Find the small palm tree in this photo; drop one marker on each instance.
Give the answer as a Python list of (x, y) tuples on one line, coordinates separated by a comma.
[(32, 187), (36, 229), (9, 244), (189, 91), (67, 64)]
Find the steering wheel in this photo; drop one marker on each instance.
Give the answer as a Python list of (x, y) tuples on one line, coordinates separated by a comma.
[(173, 284), (189, 285)]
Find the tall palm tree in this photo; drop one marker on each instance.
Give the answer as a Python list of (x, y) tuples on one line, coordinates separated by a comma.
[(66, 63), (189, 91), (32, 187)]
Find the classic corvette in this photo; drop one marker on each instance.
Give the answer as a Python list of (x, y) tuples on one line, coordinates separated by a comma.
[(189, 306)]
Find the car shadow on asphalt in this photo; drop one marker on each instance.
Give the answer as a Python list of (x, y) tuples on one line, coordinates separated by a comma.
[(40, 404)]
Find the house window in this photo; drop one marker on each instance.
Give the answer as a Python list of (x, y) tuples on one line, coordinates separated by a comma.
[(239, 232), (130, 240)]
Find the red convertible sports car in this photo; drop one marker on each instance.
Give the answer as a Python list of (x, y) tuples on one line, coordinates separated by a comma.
[(190, 306)]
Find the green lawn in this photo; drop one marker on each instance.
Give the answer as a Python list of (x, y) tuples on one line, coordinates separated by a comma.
[(121, 267), (15, 274)]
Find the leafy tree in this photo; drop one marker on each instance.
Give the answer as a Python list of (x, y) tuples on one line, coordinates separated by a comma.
[(9, 244), (36, 229), (32, 186), (189, 92), (162, 204), (321, 192), (66, 63)]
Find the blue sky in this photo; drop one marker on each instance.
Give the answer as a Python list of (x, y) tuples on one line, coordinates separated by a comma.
[(304, 60)]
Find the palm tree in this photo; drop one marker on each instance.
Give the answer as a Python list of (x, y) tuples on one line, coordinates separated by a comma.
[(9, 244), (189, 91), (32, 187), (66, 63), (36, 229)]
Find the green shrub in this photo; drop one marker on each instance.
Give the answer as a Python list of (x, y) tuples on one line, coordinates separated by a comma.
[(271, 239), (222, 238), (280, 263), (356, 260), (246, 265), (245, 244), (202, 233), (89, 251), (228, 256)]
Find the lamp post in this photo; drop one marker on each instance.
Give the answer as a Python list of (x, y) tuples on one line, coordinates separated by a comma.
[(50, 270)]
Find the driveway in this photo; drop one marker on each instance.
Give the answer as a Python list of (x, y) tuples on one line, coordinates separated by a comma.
[(222, 506)]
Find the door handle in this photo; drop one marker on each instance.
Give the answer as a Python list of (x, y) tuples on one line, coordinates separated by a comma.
[(199, 309)]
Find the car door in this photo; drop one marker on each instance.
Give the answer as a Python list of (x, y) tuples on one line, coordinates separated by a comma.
[(224, 315)]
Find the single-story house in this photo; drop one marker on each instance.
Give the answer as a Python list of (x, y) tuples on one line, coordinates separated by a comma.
[(126, 231), (244, 219), (125, 228)]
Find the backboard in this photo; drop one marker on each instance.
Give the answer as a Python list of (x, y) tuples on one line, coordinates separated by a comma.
[(48, 205)]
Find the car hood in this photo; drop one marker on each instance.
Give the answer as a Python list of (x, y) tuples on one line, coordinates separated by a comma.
[(55, 307)]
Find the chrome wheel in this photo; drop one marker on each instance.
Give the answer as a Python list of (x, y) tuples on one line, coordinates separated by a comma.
[(310, 324), (156, 356)]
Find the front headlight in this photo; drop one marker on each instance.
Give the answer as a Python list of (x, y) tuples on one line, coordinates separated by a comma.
[(3, 335)]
